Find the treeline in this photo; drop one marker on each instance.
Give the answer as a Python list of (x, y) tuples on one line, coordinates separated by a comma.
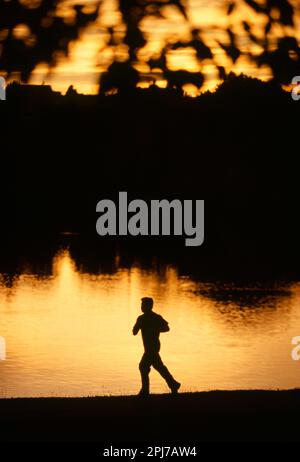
[(235, 148)]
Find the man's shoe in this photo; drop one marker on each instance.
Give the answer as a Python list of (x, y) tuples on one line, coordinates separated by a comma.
[(143, 393), (175, 387)]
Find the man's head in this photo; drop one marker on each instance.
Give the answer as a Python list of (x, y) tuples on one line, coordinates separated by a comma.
[(147, 304)]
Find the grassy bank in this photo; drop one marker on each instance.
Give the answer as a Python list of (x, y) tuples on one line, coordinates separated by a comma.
[(205, 416)]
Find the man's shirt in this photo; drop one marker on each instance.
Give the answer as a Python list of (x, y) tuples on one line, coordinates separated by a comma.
[(151, 324)]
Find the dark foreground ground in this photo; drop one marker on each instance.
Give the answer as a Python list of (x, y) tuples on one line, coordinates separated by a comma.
[(209, 416)]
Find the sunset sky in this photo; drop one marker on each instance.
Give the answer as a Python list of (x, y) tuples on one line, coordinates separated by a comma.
[(89, 56)]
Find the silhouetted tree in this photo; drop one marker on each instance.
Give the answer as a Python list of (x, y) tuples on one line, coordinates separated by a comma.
[(121, 76), (35, 31)]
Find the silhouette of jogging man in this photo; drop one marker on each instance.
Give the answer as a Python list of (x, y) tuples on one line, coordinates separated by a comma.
[(152, 324)]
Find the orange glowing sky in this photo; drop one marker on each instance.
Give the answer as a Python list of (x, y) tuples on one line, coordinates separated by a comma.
[(89, 57)]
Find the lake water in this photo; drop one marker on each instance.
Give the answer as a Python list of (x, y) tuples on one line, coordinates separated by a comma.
[(69, 334)]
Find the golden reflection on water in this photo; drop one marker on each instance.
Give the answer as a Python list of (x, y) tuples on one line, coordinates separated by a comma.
[(89, 56), (69, 334)]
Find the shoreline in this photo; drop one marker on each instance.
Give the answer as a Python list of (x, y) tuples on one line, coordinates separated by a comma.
[(212, 416)]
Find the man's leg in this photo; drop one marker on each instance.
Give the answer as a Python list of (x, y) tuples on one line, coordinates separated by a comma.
[(145, 366), (164, 372)]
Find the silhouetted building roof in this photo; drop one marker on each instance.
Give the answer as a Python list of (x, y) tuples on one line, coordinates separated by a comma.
[(32, 95)]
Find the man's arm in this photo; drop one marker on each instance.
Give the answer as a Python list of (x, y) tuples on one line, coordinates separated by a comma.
[(136, 327), (164, 326)]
